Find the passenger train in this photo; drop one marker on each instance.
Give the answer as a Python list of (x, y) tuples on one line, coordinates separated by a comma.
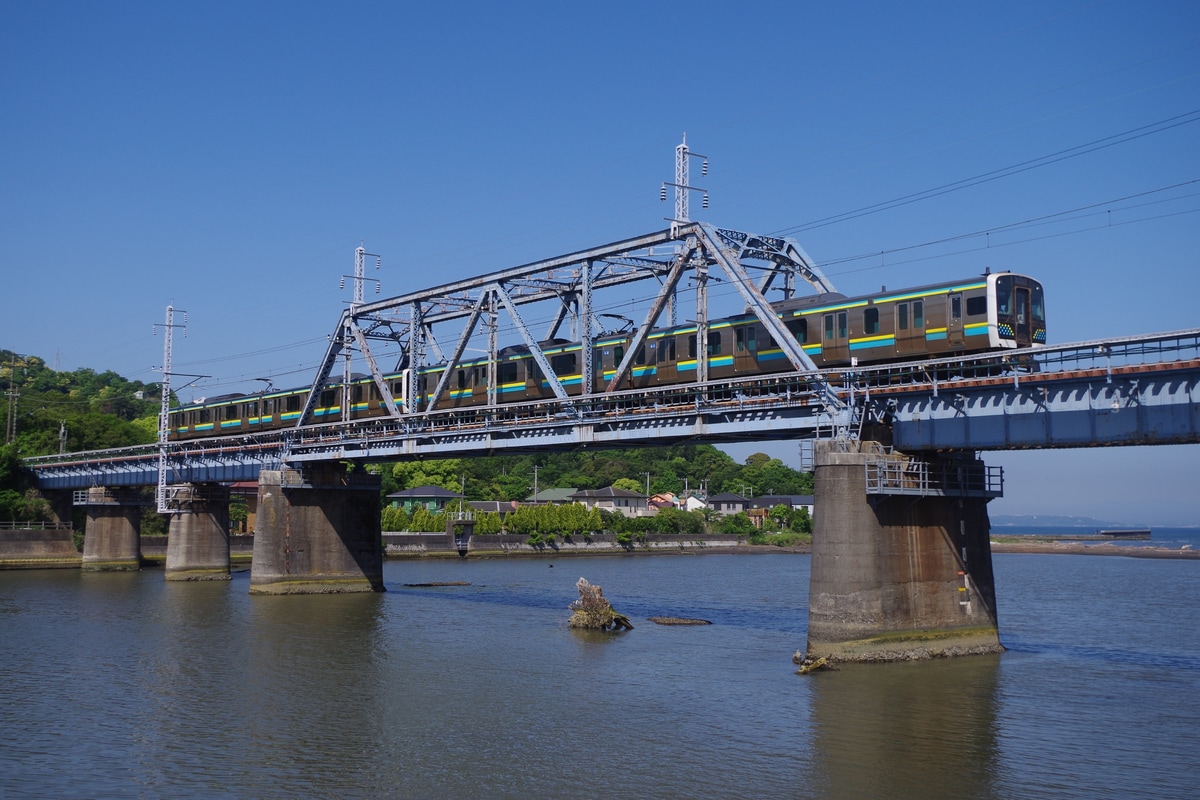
[(994, 312)]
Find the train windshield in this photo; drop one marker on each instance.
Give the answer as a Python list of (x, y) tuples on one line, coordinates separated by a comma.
[(1020, 310)]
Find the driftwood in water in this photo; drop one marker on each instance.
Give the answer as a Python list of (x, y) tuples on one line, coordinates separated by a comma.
[(439, 583), (592, 610), (679, 621), (808, 666)]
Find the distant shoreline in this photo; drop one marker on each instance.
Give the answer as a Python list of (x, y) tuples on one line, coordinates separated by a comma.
[(1050, 547)]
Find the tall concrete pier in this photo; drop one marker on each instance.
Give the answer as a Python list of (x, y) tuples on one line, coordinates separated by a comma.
[(901, 564), (198, 539), (111, 538), (318, 531)]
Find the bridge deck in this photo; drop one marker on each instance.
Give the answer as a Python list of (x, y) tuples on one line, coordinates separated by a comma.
[(1135, 390)]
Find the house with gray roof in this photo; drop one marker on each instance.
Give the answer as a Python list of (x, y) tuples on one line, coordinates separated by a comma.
[(727, 503), (622, 501)]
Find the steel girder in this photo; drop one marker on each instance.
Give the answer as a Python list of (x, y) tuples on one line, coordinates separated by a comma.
[(1125, 391), (571, 281)]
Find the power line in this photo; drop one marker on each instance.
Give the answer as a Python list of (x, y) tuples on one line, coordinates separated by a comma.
[(1033, 221), (1003, 172)]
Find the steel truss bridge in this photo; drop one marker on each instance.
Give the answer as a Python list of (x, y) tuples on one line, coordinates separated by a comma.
[(1125, 391)]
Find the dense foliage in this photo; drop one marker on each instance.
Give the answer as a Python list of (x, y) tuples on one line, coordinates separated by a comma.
[(671, 469), (97, 410), (93, 410)]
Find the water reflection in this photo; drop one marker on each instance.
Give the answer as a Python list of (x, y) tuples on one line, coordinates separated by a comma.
[(914, 729)]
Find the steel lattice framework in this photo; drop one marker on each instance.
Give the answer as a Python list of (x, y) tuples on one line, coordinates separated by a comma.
[(415, 325)]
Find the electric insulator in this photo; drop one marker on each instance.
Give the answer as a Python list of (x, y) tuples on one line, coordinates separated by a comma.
[(342, 283), (378, 262), (704, 167), (704, 202), (377, 288), (662, 193)]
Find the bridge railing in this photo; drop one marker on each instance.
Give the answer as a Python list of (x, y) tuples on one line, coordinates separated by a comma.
[(36, 526), (922, 479)]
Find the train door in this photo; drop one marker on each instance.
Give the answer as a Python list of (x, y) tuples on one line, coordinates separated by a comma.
[(666, 372), (641, 371), (835, 339), (910, 327), (745, 350), (1024, 335), (954, 322)]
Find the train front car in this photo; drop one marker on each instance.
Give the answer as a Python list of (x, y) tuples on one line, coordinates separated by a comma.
[(1016, 311)]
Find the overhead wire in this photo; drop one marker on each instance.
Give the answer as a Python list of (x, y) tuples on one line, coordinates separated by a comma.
[(1003, 172)]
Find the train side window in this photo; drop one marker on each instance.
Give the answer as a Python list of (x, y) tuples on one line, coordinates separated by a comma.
[(204, 415), (714, 343), (740, 335), (293, 402), (640, 357), (956, 307), (976, 306), (829, 327), (843, 324), (669, 343), (507, 372), (799, 329), (358, 393), (870, 321), (918, 314), (618, 355), (462, 379), (327, 398), (692, 346), (902, 317), (231, 412), (563, 364)]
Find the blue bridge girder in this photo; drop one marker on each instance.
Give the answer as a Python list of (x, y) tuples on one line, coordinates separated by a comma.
[(1127, 391)]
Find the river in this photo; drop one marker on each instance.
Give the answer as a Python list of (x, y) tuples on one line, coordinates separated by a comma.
[(124, 685)]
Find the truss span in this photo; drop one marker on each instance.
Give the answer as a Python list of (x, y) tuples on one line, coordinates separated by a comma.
[(1128, 391)]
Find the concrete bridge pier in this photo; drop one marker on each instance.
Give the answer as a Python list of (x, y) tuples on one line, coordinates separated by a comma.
[(901, 564), (318, 531), (112, 535), (198, 537)]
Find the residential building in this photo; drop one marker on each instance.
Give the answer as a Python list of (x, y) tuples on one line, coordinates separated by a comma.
[(622, 501), (431, 498)]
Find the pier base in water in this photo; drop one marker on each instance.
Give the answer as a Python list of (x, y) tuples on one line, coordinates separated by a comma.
[(897, 576), (318, 532), (112, 535), (198, 539)]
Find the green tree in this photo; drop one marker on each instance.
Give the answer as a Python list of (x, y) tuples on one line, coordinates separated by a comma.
[(738, 524), (628, 484)]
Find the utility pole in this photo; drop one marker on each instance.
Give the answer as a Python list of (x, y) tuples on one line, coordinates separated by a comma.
[(535, 482), (647, 474), (164, 412), (682, 187), (360, 278)]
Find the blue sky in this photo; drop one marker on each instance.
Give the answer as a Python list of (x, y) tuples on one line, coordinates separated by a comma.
[(228, 158)]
